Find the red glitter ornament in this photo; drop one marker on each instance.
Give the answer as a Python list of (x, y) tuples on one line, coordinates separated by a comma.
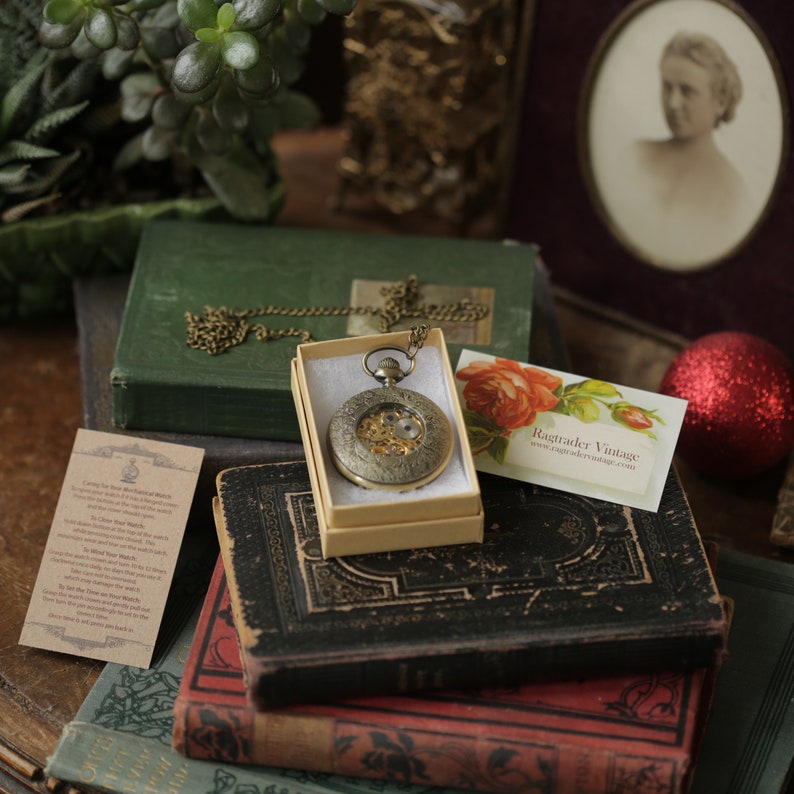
[(740, 416)]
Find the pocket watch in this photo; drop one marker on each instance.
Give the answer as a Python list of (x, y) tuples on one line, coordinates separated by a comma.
[(390, 437)]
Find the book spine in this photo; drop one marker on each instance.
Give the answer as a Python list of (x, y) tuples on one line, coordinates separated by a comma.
[(411, 756), (299, 682), (243, 413)]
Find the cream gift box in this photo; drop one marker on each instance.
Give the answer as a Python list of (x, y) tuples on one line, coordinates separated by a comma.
[(357, 520)]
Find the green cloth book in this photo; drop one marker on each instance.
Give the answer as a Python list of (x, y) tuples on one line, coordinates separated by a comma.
[(159, 382)]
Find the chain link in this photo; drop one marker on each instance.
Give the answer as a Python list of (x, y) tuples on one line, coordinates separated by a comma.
[(416, 339), (217, 330)]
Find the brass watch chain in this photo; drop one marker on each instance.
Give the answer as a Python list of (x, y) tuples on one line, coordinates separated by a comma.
[(217, 330)]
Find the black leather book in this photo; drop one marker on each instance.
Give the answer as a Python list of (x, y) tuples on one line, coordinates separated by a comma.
[(561, 586)]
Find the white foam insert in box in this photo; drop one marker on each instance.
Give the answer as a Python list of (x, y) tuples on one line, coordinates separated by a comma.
[(333, 381)]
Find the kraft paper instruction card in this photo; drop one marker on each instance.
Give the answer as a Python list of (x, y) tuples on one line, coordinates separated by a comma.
[(112, 548)]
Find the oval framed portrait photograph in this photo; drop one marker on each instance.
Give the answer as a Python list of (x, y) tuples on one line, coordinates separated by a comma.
[(684, 130)]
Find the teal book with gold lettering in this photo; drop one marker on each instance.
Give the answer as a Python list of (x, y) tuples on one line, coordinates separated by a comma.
[(161, 382)]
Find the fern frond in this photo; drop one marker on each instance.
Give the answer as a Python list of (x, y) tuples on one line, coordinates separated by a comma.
[(44, 175), (13, 174), (20, 94), (44, 126), (18, 211), (22, 150)]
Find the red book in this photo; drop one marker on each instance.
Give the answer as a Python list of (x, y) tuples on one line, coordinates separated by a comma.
[(626, 733)]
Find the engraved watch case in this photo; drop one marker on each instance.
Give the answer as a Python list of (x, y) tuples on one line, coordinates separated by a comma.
[(392, 438), (328, 382)]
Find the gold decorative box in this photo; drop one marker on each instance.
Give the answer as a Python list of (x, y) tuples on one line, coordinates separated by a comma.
[(354, 519)]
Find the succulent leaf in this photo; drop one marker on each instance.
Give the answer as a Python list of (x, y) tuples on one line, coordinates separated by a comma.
[(18, 211), (211, 136), (76, 85), (169, 113), (196, 14), (253, 15), (129, 34), (240, 50), (287, 61), (260, 82), (58, 37), (226, 16), (84, 49), (298, 111), (208, 35), (23, 150), (157, 144), (146, 5), (242, 180), (62, 12), (138, 91), (160, 43), (100, 28), (196, 68), (230, 112), (130, 154), (297, 31), (311, 11), (44, 175), (166, 16), (117, 63), (197, 97)]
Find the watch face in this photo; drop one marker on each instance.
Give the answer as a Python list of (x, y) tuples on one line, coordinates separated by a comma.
[(390, 438), (391, 429)]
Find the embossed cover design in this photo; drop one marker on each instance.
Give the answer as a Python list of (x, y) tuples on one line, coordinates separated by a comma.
[(562, 585)]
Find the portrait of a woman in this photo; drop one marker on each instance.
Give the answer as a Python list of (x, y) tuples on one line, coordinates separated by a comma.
[(687, 192), (690, 188)]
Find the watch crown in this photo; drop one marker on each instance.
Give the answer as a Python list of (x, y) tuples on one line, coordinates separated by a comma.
[(388, 372)]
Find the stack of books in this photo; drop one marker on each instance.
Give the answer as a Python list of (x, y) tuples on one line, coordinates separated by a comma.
[(577, 649), (574, 650)]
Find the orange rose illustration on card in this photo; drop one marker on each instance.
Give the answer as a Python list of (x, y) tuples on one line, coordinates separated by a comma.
[(507, 393), (576, 434), (502, 395)]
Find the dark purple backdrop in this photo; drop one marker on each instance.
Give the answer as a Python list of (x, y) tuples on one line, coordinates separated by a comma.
[(752, 291)]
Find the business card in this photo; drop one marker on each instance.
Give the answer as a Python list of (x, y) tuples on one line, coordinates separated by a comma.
[(112, 548), (577, 434)]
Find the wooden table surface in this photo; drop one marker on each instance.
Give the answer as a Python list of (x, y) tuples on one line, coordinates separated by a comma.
[(40, 410)]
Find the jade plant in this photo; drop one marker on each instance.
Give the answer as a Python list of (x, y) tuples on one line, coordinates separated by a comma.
[(199, 80)]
